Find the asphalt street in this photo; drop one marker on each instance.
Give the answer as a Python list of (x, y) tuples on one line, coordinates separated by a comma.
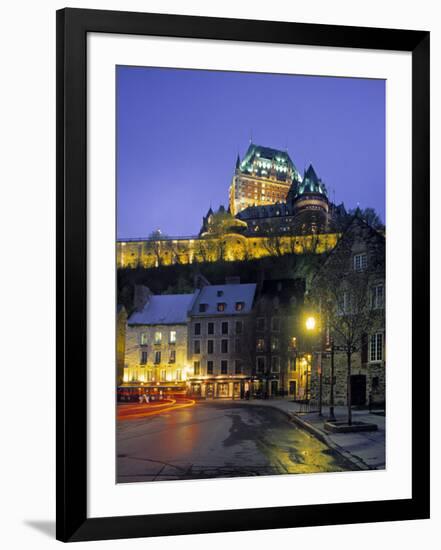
[(218, 439)]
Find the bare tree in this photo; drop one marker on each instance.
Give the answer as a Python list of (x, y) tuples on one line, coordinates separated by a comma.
[(341, 291)]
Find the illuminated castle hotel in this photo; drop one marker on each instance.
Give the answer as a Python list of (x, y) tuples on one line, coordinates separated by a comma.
[(268, 199)]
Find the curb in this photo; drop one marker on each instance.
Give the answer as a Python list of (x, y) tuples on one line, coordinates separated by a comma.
[(361, 465)]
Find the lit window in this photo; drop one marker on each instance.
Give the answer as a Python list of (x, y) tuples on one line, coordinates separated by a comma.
[(274, 344), (178, 375), (376, 347), (163, 375), (360, 262), (172, 337), (158, 337), (197, 368), (172, 358), (221, 306), (260, 344), (143, 338), (240, 306)]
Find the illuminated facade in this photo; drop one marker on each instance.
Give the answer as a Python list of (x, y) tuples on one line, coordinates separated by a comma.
[(219, 339), (156, 344), (149, 253), (264, 176)]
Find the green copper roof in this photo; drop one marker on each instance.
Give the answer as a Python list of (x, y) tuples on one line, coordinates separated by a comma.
[(265, 161), (310, 184)]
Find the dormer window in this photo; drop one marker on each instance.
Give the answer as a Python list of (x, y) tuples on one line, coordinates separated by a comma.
[(202, 308), (240, 306), (220, 292), (221, 306)]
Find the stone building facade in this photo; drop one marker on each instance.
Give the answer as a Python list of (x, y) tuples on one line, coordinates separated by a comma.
[(264, 176), (156, 344), (359, 258), (218, 324)]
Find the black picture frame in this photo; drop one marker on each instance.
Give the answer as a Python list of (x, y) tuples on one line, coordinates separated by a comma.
[(71, 428)]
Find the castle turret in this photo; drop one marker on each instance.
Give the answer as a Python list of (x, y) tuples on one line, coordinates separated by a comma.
[(308, 202)]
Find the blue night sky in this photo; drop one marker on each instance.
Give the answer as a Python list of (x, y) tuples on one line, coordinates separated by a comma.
[(179, 132)]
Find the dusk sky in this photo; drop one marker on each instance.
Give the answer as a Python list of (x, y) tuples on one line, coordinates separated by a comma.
[(179, 133)]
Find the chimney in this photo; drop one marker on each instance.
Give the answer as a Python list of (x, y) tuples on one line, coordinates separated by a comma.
[(232, 280), (141, 296)]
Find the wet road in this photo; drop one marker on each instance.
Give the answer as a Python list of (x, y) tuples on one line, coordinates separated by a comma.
[(218, 439)]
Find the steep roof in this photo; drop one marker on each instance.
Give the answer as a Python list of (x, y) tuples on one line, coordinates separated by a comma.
[(229, 295), (311, 183), (165, 309), (260, 160)]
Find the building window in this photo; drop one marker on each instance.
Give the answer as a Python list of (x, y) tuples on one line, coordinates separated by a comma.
[(197, 368), (224, 367), (225, 327), (275, 363), (275, 324), (143, 338), (197, 329), (238, 345), (239, 327), (240, 306), (157, 357), (260, 364), (148, 376), (163, 375), (238, 367), (360, 262), (178, 375), (158, 337), (224, 346), (210, 328), (209, 367), (210, 346), (220, 293), (293, 364), (376, 347), (196, 346), (143, 360), (172, 358), (202, 308), (261, 323), (172, 339), (274, 344), (260, 344), (377, 297), (221, 306)]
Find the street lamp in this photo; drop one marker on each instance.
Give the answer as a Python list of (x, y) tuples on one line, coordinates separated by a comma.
[(310, 326)]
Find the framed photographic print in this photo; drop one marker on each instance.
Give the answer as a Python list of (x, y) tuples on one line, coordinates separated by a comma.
[(242, 275)]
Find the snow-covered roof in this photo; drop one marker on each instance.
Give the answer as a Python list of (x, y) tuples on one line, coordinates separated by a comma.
[(165, 309), (230, 295)]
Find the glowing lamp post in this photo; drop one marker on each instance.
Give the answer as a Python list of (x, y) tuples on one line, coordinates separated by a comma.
[(310, 327)]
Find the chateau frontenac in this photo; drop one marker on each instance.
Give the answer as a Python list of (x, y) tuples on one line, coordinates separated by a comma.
[(273, 210)]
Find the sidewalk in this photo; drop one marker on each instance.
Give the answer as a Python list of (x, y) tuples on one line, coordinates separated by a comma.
[(364, 449)]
